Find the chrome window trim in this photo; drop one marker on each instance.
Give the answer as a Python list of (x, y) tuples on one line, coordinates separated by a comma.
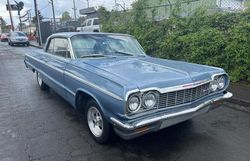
[(72, 56)]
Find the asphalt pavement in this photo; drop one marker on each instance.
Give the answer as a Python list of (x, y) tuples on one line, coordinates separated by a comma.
[(41, 126)]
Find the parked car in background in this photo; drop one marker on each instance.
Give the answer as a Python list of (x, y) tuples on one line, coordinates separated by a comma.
[(90, 25), (109, 78), (17, 37), (4, 37)]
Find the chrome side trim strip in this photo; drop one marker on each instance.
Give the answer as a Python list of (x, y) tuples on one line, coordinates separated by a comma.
[(51, 66), (93, 85), (81, 80), (127, 126), (56, 82)]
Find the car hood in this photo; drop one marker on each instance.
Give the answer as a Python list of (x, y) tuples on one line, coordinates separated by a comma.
[(146, 72), (18, 37)]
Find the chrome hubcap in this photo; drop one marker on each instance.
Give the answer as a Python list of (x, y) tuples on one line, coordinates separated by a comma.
[(39, 79), (95, 121)]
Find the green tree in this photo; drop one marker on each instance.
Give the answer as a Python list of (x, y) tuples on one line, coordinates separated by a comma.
[(65, 16), (218, 39)]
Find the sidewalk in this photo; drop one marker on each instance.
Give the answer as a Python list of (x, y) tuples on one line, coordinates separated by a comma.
[(35, 44), (241, 94)]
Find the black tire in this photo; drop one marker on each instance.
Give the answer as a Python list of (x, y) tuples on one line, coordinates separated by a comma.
[(40, 82), (28, 44), (105, 136)]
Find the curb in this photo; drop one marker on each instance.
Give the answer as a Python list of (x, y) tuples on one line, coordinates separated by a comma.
[(36, 46), (237, 106), (239, 102)]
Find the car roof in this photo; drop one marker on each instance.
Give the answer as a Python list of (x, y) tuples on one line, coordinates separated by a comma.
[(70, 34)]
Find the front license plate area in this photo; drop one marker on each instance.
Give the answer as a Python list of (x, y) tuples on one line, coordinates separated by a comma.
[(173, 121)]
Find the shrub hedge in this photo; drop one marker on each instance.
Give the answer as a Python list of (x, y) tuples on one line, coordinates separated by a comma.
[(220, 39)]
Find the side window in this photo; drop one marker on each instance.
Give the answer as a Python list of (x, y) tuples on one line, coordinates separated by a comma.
[(61, 47), (50, 48), (96, 22), (84, 23), (89, 22)]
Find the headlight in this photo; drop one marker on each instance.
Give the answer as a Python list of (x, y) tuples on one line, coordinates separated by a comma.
[(134, 103), (149, 99), (218, 82), (213, 85), (221, 82)]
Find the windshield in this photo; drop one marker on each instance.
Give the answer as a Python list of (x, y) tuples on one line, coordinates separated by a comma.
[(19, 34), (96, 22), (105, 45)]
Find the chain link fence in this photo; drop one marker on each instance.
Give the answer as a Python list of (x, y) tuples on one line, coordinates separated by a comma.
[(163, 9)]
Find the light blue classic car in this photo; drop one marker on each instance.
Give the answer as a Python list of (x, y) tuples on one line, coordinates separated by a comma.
[(109, 78)]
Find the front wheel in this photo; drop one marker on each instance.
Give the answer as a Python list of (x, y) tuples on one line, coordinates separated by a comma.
[(98, 126), (40, 82)]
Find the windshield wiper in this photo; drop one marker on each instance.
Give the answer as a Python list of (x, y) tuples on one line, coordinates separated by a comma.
[(92, 55), (123, 53)]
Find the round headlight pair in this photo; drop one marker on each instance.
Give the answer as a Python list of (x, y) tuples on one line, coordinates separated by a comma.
[(135, 102), (218, 83)]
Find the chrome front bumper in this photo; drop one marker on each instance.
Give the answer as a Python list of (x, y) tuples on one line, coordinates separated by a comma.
[(170, 118)]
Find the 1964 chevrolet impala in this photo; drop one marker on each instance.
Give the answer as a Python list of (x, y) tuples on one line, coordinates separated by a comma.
[(110, 79)]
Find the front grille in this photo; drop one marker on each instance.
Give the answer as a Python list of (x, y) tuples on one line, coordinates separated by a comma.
[(21, 39), (174, 98)]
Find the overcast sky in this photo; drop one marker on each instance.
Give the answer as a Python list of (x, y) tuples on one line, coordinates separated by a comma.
[(60, 7)]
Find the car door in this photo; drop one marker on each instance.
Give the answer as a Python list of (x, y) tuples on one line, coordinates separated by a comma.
[(58, 57)]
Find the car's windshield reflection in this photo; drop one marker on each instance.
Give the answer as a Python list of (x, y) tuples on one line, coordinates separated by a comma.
[(101, 45)]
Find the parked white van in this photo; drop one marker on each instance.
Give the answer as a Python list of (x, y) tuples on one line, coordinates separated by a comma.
[(90, 25)]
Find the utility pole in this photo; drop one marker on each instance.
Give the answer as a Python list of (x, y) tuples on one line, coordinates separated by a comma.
[(53, 11), (88, 3), (38, 24), (20, 23), (29, 17), (19, 8), (11, 21), (74, 9)]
